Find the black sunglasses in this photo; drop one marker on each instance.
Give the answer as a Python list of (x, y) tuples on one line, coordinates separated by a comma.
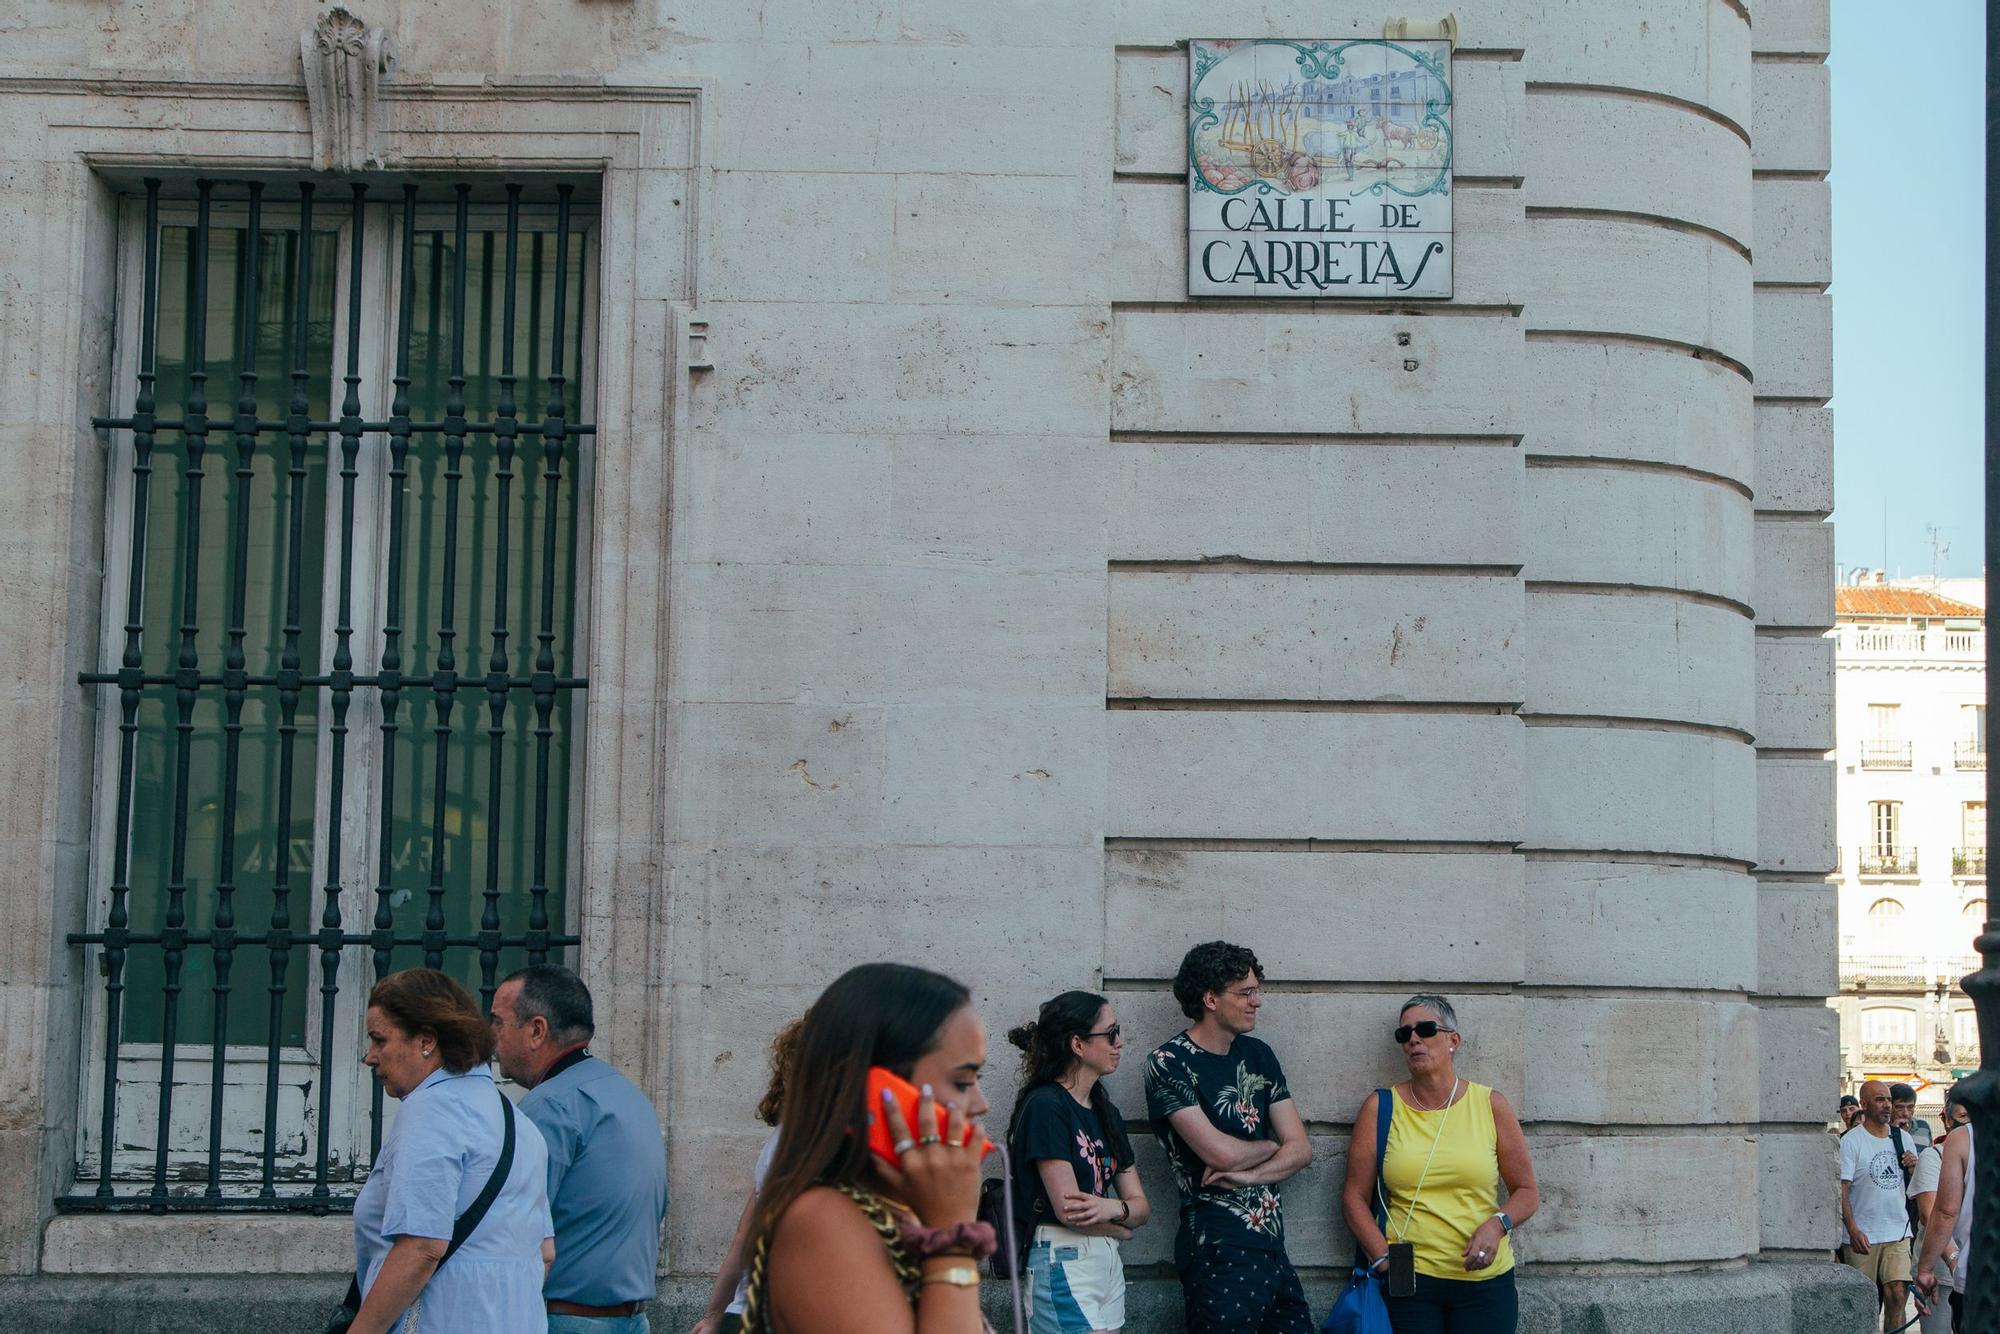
[(1423, 1028), (1113, 1033)]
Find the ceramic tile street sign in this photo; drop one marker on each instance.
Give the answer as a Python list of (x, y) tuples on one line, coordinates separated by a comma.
[(1319, 169)]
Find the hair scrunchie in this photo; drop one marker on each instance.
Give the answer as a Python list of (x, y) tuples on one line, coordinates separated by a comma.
[(976, 1238)]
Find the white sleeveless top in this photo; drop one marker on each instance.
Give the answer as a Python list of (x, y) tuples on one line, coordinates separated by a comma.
[(1961, 1228)]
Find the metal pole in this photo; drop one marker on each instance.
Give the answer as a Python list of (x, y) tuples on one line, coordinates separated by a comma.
[(1982, 1296)]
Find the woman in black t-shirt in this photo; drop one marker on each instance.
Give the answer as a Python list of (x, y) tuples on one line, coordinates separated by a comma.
[(1074, 1174)]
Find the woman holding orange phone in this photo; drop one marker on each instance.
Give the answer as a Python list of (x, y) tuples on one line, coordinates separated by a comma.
[(854, 1239)]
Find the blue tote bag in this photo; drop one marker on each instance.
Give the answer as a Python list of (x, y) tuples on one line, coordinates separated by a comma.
[(1360, 1309)]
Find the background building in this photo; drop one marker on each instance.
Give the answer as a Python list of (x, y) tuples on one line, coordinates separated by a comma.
[(933, 580), (1910, 716)]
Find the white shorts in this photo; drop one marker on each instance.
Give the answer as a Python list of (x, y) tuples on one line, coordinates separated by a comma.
[(1076, 1284)]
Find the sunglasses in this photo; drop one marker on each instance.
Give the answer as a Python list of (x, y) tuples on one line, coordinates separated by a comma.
[(1114, 1034), (1423, 1028)]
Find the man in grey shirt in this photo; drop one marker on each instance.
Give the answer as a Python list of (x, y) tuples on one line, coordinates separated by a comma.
[(607, 1155)]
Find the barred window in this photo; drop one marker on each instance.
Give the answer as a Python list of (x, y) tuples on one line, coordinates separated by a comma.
[(340, 683)]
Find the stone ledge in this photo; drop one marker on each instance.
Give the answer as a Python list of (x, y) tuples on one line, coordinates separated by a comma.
[(1776, 1298), (131, 1245)]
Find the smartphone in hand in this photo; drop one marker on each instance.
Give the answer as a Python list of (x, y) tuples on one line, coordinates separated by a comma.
[(881, 1141)]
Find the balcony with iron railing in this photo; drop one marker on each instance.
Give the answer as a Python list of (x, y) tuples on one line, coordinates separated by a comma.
[(1885, 754), (1897, 1054), (1969, 863), (1968, 755), (1889, 863), (1885, 970)]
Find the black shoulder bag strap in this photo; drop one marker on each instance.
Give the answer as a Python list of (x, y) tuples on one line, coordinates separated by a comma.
[(468, 1221)]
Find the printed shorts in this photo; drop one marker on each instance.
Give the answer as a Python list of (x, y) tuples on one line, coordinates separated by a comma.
[(1076, 1284), (1241, 1290)]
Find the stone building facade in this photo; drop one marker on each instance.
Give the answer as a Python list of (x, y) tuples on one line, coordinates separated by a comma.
[(951, 587)]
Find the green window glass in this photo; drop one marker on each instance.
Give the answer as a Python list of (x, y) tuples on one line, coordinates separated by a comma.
[(260, 839), (462, 863), (470, 816)]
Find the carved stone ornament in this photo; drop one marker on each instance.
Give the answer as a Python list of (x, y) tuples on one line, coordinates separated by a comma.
[(345, 60)]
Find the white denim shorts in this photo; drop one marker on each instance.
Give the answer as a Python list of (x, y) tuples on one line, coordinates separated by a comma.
[(1076, 1283)]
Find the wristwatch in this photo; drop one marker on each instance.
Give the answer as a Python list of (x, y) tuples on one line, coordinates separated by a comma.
[(1506, 1223), (959, 1276)]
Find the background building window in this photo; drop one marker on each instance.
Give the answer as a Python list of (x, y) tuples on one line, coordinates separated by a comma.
[(1885, 819), (359, 525), (1964, 1036), (1970, 857), (1888, 1036), (1885, 746), (1885, 854), (1970, 749)]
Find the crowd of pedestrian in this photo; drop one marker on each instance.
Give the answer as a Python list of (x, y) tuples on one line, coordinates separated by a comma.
[(1906, 1203), (851, 1230), (866, 1213)]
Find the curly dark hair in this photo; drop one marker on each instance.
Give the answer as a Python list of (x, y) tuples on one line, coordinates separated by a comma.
[(771, 1107), (1212, 966)]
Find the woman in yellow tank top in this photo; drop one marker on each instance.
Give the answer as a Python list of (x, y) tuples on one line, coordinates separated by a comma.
[(1456, 1180)]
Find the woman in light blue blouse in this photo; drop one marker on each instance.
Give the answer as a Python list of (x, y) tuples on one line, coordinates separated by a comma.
[(429, 1045)]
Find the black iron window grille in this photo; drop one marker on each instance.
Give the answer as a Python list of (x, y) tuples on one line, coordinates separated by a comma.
[(341, 713)]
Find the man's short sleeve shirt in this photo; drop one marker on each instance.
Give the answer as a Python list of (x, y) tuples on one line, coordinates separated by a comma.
[(1875, 1185), (1236, 1092), (608, 1183), (1930, 1164)]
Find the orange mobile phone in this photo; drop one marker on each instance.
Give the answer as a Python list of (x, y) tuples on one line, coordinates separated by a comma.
[(880, 1140)]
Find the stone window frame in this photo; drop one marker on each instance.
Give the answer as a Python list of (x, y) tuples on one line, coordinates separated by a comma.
[(642, 145)]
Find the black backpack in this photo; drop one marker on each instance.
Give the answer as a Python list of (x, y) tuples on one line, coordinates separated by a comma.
[(1007, 1261), (1909, 1205)]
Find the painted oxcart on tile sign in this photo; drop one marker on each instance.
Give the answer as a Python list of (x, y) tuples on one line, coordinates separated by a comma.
[(1319, 169)]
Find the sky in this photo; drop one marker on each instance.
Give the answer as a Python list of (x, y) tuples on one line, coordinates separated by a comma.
[(1908, 272)]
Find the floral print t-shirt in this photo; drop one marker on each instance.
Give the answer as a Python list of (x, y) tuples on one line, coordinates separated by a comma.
[(1055, 1126), (1235, 1092)]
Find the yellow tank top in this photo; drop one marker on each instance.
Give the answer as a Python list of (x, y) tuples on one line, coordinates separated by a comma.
[(1461, 1191)]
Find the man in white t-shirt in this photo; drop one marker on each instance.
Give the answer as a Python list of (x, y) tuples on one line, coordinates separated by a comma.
[(1873, 1206)]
